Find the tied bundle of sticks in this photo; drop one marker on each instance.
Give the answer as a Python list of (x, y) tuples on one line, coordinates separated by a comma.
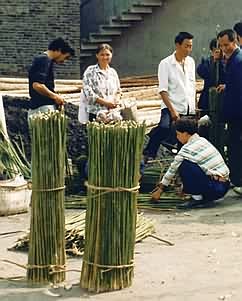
[(113, 175), (46, 260)]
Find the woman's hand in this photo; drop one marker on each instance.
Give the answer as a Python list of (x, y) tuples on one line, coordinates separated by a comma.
[(107, 103), (110, 104)]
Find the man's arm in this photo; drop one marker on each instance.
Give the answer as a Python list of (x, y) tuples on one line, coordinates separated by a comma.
[(43, 90), (165, 97), (163, 76), (169, 175)]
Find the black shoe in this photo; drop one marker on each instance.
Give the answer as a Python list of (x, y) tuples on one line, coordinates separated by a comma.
[(195, 204)]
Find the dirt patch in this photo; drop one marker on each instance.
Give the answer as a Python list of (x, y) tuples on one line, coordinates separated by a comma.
[(204, 263)]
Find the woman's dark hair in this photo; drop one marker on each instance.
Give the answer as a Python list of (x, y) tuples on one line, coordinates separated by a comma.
[(229, 32), (187, 125), (213, 44), (182, 36), (103, 47), (61, 45)]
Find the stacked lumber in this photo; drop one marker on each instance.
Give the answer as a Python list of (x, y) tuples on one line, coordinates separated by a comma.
[(19, 86), (141, 89)]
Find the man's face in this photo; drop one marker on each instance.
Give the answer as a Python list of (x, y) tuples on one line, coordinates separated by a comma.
[(226, 45), (60, 57), (185, 48), (182, 137)]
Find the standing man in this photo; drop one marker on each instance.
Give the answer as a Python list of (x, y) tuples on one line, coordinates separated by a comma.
[(176, 75), (41, 77), (232, 104), (238, 29)]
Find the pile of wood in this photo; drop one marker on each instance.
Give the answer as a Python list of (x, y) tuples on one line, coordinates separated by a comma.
[(142, 89)]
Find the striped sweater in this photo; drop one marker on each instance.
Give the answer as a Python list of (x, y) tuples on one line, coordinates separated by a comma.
[(200, 151)]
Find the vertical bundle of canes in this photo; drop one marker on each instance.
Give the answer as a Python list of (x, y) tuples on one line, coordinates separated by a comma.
[(46, 259), (113, 180)]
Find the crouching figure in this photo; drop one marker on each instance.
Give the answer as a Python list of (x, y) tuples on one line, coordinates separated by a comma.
[(201, 167)]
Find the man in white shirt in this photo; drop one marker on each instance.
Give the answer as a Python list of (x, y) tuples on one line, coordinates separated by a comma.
[(176, 75)]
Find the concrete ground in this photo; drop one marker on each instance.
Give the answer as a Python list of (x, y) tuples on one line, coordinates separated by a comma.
[(205, 264)]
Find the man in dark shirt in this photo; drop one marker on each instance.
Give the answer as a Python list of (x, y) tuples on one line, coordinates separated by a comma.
[(41, 77), (232, 104)]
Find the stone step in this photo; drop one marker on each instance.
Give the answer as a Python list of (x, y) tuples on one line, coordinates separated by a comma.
[(115, 25), (107, 32), (152, 3), (101, 39), (140, 10), (128, 17), (85, 54), (89, 46)]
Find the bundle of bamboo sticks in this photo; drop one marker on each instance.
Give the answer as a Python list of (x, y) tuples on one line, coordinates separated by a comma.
[(114, 160), (46, 260)]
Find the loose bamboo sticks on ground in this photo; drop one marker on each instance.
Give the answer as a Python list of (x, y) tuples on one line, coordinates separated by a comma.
[(75, 233), (47, 229)]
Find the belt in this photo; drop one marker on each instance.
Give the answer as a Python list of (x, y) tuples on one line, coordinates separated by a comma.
[(219, 178)]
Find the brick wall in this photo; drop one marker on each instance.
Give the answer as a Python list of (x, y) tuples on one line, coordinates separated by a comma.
[(26, 28)]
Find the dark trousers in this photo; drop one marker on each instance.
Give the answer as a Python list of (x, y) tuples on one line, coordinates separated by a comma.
[(195, 181), (235, 152), (164, 132)]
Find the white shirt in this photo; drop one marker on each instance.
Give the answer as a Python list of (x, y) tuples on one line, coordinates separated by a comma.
[(179, 84)]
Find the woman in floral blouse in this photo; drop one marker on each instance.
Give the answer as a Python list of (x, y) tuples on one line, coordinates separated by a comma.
[(101, 84)]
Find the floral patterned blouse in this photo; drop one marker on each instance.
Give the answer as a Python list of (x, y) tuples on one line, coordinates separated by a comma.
[(99, 83)]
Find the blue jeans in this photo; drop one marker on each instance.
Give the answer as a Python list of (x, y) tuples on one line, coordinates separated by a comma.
[(195, 181), (163, 132)]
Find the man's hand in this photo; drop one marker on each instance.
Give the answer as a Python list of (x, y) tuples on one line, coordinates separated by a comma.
[(155, 194), (59, 100), (220, 88), (174, 115)]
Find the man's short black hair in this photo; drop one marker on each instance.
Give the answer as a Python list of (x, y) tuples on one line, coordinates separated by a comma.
[(213, 44), (61, 45), (229, 32), (238, 28), (187, 125), (182, 36)]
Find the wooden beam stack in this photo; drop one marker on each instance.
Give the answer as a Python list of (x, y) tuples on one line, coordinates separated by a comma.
[(142, 89)]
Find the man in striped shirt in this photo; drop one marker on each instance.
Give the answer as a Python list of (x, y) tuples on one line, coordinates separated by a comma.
[(201, 167)]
